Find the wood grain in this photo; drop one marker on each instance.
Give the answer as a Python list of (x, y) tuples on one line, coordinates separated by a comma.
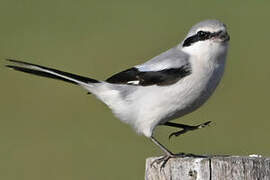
[(210, 168)]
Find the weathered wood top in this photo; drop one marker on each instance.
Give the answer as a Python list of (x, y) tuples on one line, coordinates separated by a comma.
[(210, 168)]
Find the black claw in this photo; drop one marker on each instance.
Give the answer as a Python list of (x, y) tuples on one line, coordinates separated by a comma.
[(172, 134), (163, 160), (204, 124), (177, 133)]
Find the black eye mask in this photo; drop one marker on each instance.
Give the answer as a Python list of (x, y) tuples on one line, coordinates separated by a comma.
[(200, 36)]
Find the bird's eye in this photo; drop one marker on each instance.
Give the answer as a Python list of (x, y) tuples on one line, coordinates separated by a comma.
[(202, 34)]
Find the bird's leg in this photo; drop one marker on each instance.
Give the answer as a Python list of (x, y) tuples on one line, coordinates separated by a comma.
[(185, 128), (164, 159), (168, 154)]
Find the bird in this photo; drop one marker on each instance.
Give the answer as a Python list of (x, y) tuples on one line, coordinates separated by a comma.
[(166, 87)]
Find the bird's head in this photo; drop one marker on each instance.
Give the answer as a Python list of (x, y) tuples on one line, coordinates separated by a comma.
[(208, 39)]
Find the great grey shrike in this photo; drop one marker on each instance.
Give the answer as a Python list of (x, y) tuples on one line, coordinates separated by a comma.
[(166, 87)]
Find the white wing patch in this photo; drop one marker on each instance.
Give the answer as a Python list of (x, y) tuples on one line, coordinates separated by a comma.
[(133, 82)]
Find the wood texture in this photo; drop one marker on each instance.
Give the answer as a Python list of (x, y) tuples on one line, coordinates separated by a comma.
[(210, 168)]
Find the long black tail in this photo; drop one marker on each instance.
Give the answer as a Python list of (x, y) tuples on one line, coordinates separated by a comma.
[(49, 72)]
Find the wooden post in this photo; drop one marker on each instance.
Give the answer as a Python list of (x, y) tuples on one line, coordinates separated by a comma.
[(253, 167)]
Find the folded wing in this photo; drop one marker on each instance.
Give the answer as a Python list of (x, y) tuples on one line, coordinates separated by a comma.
[(134, 76)]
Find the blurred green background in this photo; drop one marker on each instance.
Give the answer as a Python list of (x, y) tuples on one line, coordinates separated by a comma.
[(53, 130)]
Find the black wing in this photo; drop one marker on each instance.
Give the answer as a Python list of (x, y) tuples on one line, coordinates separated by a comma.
[(133, 76)]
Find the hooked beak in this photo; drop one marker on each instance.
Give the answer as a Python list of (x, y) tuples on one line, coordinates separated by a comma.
[(224, 36)]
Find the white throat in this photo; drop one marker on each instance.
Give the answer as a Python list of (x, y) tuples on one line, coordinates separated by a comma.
[(207, 51)]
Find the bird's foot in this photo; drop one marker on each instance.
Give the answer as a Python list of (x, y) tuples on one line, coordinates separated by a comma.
[(164, 159), (186, 128)]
